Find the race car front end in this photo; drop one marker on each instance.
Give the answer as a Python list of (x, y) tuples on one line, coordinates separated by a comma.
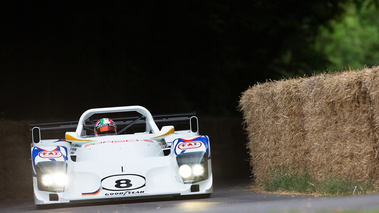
[(50, 178), (114, 168)]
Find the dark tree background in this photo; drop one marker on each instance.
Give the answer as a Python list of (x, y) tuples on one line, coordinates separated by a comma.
[(59, 58)]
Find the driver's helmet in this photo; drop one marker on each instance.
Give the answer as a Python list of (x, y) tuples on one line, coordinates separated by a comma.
[(105, 126)]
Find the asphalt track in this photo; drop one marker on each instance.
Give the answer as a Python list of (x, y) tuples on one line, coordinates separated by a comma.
[(231, 195)]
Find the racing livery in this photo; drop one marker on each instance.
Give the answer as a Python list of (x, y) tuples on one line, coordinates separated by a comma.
[(134, 158)]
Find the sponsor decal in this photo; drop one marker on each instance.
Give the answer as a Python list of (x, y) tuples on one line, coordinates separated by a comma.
[(124, 193), (118, 141), (189, 145), (92, 193), (56, 153), (200, 143), (123, 182), (121, 185), (50, 154)]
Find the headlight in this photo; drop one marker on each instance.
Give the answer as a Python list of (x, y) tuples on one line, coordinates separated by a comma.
[(193, 166), (197, 170), (60, 179), (57, 179), (185, 171), (47, 180), (51, 176)]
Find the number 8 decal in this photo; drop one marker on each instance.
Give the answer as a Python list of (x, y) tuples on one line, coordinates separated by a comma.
[(123, 183)]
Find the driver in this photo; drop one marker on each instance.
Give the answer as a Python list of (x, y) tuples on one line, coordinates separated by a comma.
[(105, 126)]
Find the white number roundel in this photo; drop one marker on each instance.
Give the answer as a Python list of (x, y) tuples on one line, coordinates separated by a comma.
[(123, 182)]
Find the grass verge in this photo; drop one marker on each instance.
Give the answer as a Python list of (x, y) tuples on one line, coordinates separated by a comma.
[(300, 181)]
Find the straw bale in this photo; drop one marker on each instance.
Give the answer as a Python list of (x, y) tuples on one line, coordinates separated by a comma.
[(289, 122), (339, 128), (327, 124), (313, 110), (260, 133), (371, 82), (275, 125), (316, 122)]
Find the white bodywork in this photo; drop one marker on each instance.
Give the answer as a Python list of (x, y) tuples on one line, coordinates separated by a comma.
[(147, 163)]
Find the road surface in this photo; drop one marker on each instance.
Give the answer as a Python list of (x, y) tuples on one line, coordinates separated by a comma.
[(229, 196)]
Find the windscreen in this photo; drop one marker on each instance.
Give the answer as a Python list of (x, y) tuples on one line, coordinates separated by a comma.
[(127, 123)]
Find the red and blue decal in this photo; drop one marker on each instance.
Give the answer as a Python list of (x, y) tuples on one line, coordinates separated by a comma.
[(57, 153), (200, 143)]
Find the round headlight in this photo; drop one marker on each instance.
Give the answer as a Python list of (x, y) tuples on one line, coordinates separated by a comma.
[(60, 179), (47, 180), (198, 170), (185, 171)]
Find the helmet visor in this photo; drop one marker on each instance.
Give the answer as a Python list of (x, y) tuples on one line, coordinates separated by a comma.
[(106, 129)]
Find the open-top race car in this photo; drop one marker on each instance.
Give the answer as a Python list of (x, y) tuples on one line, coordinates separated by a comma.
[(111, 156)]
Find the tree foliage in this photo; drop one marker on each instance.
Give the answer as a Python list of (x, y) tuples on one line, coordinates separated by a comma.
[(166, 55), (353, 41)]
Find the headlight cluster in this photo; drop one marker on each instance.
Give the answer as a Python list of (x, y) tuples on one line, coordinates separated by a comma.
[(193, 166), (51, 176), (187, 171), (55, 179)]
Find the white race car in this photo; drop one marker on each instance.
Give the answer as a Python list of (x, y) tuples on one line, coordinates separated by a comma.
[(139, 160)]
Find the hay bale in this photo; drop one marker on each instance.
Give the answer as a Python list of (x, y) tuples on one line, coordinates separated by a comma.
[(290, 123), (371, 82), (275, 125), (339, 128), (261, 136), (327, 124), (314, 120)]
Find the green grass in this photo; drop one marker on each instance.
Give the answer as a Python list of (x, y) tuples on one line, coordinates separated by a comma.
[(300, 181), (352, 211)]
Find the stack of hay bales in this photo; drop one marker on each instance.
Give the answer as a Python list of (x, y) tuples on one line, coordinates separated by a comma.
[(326, 124)]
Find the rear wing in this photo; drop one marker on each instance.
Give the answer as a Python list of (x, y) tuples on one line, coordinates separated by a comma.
[(183, 119)]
